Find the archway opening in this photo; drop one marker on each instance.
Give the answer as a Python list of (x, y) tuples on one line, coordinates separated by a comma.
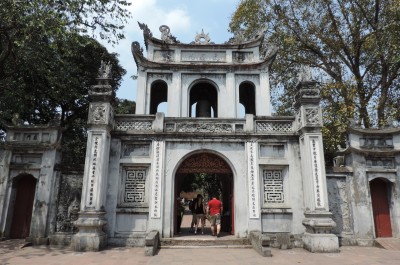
[(380, 198), (247, 97), (206, 174), (24, 187), (158, 95), (205, 97)]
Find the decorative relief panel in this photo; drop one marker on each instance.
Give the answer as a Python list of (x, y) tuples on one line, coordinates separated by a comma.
[(312, 116), (339, 205), (273, 186), (68, 202), (164, 56), (129, 125), (136, 149), (26, 158), (380, 162), (205, 127), (133, 187), (31, 137), (252, 174), (268, 126), (376, 142), (98, 113), (205, 56), (242, 57)]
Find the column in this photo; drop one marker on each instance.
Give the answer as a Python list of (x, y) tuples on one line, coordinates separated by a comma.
[(91, 221), (263, 96), (318, 220)]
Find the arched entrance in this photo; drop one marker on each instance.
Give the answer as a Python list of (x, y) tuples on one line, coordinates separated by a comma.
[(24, 186), (214, 168), (380, 207)]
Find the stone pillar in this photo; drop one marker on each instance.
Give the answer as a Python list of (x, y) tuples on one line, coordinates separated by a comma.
[(318, 220), (91, 221)]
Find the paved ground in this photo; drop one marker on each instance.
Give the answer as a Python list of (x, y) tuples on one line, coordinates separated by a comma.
[(11, 253)]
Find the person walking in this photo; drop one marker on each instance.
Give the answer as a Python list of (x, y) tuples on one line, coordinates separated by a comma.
[(192, 205), (199, 210), (214, 209)]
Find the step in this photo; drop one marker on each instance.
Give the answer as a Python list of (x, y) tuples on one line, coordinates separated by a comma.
[(205, 241)]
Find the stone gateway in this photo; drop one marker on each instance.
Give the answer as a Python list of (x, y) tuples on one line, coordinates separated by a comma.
[(201, 108)]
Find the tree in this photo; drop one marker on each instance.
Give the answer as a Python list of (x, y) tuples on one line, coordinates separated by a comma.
[(351, 45), (48, 60), (22, 21)]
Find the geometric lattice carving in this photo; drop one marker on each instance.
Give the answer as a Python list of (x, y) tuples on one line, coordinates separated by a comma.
[(135, 186), (273, 126), (273, 186), (133, 125)]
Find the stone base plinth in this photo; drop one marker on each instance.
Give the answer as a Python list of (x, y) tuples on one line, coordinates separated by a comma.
[(88, 242), (90, 236), (321, 243)]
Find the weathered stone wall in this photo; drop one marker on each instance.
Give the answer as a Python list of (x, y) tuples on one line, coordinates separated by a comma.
[(68, 201)]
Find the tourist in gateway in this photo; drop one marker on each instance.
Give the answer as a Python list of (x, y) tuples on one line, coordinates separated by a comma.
[(192, 205), (214, 209), (199, 210)]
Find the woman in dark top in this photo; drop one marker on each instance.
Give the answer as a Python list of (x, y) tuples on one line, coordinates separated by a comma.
[(200, 211)]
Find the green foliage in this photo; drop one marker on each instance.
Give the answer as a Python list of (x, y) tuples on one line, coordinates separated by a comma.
[(48, 61), (352, 47), (125, 106), (207, 184)]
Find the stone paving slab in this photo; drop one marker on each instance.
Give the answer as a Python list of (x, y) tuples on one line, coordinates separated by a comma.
[(135, 256), (389, 243)]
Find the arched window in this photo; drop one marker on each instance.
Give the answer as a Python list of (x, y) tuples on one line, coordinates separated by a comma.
[(203, 100), (247, 97), (158, 95)]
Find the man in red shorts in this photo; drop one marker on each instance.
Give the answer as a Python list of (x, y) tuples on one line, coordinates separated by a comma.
[(214, 209)]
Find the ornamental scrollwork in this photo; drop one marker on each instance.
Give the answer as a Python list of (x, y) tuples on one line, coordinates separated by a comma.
[(98, 114), (205, 127), (312, 116)]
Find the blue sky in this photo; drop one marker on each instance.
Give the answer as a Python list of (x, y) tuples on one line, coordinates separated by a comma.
[(185, 19)]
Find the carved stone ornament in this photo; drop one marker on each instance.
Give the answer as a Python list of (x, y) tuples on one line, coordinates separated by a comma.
[(202, 38), (98, 114), (146, 31), (136, 49), (305, 74), (105, 70), (166, 35), (312, 116), (204, 127), (205, 162)]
